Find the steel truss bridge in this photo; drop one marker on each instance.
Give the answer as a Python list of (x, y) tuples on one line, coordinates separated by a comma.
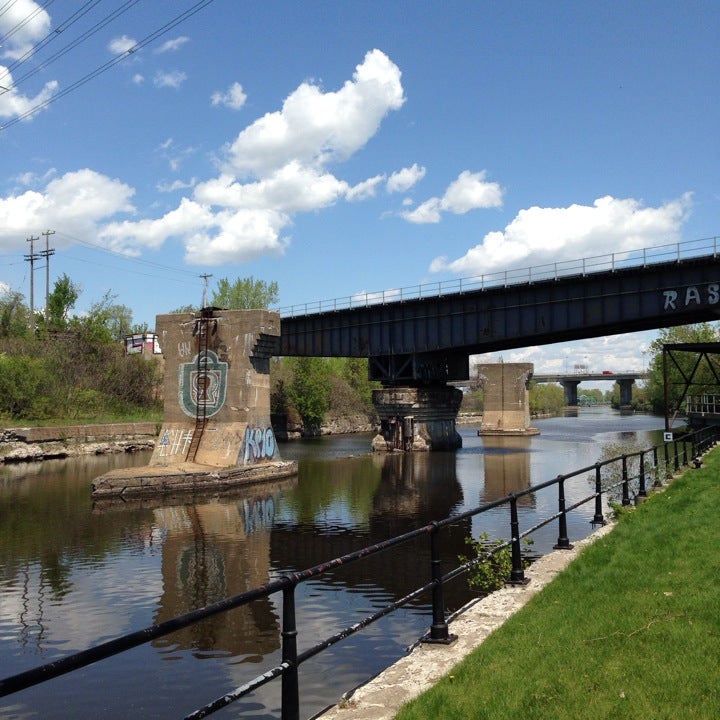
[(424, 335)]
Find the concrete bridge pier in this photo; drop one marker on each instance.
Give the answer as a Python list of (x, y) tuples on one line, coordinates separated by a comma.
[(506, 402), (625, 393), (216, 430), (417, 418), (571, 393)]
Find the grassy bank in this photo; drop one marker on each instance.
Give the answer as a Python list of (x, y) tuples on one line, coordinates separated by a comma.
[(630, 630)]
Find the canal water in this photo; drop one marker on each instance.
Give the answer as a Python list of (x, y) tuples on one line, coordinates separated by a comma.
[(74, 573)]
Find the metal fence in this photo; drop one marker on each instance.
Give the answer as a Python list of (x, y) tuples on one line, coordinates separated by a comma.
[(625, 477)]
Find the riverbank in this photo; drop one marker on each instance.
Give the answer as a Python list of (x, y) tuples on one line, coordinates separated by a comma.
[(30, 444), (607, 634)]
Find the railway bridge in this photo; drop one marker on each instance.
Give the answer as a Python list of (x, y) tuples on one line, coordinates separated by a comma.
[(420, 339)]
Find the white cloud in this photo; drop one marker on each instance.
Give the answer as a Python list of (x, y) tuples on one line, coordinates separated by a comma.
[(469, 192), (315, 127), (13, 104), (365, 189), (176, 185), (172, 45), (403, 180), (543, 234), (138, 79), (173, 79), (275, 168), (77, 201), (26, 22), (122, 44), (234, 97)]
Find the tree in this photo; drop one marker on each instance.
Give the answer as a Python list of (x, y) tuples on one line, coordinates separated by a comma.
[(546, 398), (14, 315), (61, 301), (310, 390), (106, 322), (245, 294)]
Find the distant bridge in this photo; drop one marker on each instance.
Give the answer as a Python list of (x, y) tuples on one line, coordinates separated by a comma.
[(570, 382)]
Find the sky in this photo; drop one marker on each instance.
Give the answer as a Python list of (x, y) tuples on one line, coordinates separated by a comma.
[(340, 148)]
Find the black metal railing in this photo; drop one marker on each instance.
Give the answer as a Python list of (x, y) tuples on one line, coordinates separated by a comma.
[(620, 476)]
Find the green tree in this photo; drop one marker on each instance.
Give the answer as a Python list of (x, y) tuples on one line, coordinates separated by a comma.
[(310, 389), (23, 386), (61, 301), (546, 398), (14, 315), (106, 322), (245, 294)]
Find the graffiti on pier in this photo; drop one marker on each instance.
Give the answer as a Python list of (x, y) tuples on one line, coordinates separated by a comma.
[(202, 384), (258, 514), (174, 441), (259, 444)]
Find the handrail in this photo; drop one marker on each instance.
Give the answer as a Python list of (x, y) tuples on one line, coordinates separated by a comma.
[(611, 262), (681, 450)]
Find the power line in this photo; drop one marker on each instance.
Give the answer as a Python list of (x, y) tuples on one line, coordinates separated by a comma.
[(77, 41), (114, 61), (52, 35)]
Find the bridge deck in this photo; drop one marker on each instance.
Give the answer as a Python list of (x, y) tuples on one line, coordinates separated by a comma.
[(431, 338)]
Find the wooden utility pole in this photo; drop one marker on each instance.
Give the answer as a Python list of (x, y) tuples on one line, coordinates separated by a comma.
[(46, 254), (31, 258)]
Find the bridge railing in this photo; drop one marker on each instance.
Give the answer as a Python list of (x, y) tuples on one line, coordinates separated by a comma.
[(620, 476), (670, 252)]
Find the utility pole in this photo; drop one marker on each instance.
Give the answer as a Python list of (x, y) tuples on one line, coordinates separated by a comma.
[(31, 258), (46, 254), (205, 277)]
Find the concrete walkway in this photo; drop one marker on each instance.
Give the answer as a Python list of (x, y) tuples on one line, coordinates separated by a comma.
[(383, 696)]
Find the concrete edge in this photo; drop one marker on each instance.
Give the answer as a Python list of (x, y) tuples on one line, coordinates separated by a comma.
[(383, 696)]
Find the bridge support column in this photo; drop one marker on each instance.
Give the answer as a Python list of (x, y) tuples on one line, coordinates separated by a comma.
[(625, 393), (506, 404), (571, 393), (216, 429), (417, 418)]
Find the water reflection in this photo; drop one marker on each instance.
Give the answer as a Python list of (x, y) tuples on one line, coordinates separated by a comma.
[(507, 467), (73, 573)]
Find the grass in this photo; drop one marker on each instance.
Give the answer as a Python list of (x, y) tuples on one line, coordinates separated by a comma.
[(630, 630)]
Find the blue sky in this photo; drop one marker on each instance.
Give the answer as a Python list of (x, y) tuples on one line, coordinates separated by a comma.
[(348, 147)]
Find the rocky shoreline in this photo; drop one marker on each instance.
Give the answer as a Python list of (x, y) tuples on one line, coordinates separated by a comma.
[(47, 443)]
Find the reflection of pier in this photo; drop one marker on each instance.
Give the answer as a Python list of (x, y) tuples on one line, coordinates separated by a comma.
[(507, 467), (214, 550)]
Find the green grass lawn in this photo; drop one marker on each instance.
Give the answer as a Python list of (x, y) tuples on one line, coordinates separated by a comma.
[(630, 630)]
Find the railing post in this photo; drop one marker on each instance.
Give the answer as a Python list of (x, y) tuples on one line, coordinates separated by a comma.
[(563, 542), (598, 519), (625, 481), (517, 574), (657, 482), (677, 459), (439, 629), (290, 691), (668, 474), (642, 492)]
